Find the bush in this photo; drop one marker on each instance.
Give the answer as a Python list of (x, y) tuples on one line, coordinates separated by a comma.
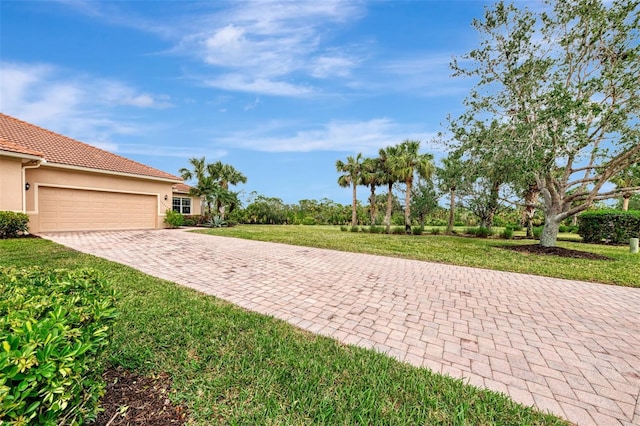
[(436, 231), (354, 228), (417, 230), (13, 224), (53, 328), (484, 232), (173, 219), (480, 232), (376, 229), (193, 220), (537, 232), (610, 226), (344, 228), (309, 220), (398, 230), (507, 234)]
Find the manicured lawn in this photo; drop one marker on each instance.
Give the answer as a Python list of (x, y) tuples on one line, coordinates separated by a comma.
[(236, 367), (623, 270)]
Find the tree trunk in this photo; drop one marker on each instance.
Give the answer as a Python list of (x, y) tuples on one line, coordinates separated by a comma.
[(372, 205), (407, 207), (530, 198), (550, 231), (625, 202), (387, 215), (452, 208), (354, 207)]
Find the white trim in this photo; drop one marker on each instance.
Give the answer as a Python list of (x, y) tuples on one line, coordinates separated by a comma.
[(24, 180), (109, 172), (182, 205), (20, 155)]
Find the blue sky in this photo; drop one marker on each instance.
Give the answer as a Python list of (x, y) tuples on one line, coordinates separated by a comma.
[(280, 90)]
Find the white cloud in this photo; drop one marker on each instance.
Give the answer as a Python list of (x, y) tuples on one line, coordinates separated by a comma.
[(354, 136), (263, 86), (81, 106), (263, 46)]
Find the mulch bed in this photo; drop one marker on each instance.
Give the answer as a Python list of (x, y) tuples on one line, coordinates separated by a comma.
[(134, 400), (554, 251)]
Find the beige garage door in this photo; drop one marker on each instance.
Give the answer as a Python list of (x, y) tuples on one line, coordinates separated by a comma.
[(64, 209)]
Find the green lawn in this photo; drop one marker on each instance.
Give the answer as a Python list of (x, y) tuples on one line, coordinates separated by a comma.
[(236, 367), (623, 270)]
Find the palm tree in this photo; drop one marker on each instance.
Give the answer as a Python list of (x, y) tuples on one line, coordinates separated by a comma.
[(352, 170), (225, 175), (627, 178), (405, 164), (389, 178), (205, 185), (372, 176)]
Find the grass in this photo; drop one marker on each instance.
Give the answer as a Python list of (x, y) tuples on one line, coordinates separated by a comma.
[(236, 367), (624, 270)]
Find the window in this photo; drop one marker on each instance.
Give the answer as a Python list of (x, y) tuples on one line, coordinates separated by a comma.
[(182, 205)]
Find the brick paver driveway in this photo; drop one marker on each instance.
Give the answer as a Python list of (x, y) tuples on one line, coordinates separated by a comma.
[(569, 347)]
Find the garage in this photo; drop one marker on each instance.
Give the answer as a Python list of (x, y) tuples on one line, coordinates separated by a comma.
[(64, 209)]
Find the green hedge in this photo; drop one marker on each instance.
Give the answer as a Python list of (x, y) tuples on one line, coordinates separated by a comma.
[(610, 226), (53, 327), (12, 224)]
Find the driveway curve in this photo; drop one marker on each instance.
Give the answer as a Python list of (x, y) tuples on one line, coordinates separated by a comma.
[(568, 347)]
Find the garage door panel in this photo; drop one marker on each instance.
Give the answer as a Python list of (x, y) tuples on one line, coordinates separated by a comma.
[(62, 209)]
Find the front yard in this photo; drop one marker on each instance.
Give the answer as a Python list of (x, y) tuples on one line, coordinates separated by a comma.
[(231, 366)]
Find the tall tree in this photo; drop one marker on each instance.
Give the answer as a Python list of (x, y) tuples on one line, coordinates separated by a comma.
[(406, 164), (424, 199), (450, 178), (352, 171), (564, 80), (205, 186), (225, 175), (389, 178), (372, 176)]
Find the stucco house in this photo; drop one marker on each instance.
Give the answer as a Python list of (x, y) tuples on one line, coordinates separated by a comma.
[(67, 185)]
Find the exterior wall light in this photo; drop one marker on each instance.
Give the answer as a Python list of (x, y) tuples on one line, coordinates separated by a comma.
[(27, 186), (166, 197)]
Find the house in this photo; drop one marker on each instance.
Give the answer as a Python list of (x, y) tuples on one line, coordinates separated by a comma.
[(67, 185)]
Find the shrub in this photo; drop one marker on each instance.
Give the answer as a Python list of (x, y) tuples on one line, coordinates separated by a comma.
[(193, 219), (537, 232), (398, 230), (436, 231), (610, 226), (344, 228), (354, 228), (507, 234), (53, 328), (484, 232), (376, 229), (173, 219), (309, 220), (417, 230), (216, 222), (13, 224), (471, 231)]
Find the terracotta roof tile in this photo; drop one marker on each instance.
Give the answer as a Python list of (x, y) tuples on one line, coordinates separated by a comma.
[(6, 145), (22, 137), (181, 188)]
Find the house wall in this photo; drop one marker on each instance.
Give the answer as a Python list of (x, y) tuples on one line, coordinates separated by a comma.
[(48, 176), (10, 183)]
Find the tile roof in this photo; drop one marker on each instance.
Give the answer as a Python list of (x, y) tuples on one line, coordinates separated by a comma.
[(25, 138), (6, 145), (181, 188)]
